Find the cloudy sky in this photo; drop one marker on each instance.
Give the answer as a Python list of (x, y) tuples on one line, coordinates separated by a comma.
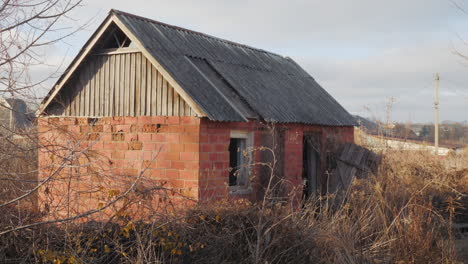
[(363, 52)]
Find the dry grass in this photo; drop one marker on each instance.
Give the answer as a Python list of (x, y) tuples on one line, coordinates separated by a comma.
[(404, 214)]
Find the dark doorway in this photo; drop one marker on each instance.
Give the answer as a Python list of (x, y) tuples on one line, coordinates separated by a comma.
[(311, 165)]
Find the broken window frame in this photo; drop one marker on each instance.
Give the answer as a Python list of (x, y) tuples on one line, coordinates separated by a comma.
[(243, 169)]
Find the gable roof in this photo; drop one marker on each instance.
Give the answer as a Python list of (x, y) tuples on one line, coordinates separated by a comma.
[(234, 82)]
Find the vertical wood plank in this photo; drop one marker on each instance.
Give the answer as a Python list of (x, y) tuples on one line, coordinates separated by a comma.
[(148, 87), (159, 95), (117, 85), (182, 107), (175, 106), (154, 78), (138, 83), (111, 85), (170, 100), (188, 111), (132, 85), (127, 84), (164, 98), (122, 85), (81, 95), (102, 81), (143, 86), (89, 86), (94, 92), (106, 85)]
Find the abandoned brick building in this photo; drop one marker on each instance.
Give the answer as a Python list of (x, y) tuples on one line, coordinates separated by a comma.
[(193, 110)]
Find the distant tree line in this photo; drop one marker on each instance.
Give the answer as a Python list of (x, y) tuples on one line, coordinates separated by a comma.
[(453, 134)]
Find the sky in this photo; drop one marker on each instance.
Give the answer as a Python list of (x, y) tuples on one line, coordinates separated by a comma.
[(363, 52)]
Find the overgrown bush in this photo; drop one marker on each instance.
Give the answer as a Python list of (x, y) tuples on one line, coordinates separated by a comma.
[(404, 214)]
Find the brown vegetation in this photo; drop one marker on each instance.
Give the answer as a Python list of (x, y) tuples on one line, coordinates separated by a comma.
[(404, 214)]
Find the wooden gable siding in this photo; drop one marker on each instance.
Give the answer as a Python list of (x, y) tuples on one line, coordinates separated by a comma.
[(124, 84)]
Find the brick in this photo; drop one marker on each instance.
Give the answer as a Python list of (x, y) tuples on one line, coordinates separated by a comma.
[(174, 129), (131, 172), (188, 138), (204, 139), (204, 156), (188, 156), (161, 128), (118, 155), (188, 120), (172, 174), (144, 137), (130, 120), (118, 136), (135, 128), (133, 155), (82, 121), (192, 165), (149, 128), (106, 137), (175, 147), (159, 173), (172, 120), (118, 120), (177, 165), (145, 120), (149, 146), (97, 145), (121, 128), (120, 145), (191, 147), (188, 175), (119, 163), (172, 138), (161, 164), (136, 145), (108, 145), (221, 147), (158, 120), (106, 128), (191, 129), (97, 128), (131, 137), (171, 156), (104, 121), (149, 155)]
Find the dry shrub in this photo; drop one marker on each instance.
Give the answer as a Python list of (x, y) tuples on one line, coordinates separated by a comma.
[(404, 214), (18, 167)]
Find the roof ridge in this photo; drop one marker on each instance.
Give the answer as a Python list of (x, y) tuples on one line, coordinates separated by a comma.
[(193, 32)]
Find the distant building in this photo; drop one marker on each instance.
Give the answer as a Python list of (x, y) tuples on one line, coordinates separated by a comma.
[(14, 114)]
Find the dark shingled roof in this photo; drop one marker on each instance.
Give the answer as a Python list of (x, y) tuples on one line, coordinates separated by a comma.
[(234, 82)]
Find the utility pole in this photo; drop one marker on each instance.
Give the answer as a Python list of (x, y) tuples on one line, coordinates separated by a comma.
[(436, 113)]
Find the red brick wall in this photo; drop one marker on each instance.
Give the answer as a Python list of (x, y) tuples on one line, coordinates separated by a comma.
[(115, 151), (187, 156), (214, 155)]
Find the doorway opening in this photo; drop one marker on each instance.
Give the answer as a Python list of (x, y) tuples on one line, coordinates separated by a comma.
[(311, 165)]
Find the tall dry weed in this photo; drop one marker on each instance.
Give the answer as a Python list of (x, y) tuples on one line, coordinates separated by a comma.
[(403, 214)]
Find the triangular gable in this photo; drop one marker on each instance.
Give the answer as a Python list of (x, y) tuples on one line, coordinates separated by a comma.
[(84, 82)]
